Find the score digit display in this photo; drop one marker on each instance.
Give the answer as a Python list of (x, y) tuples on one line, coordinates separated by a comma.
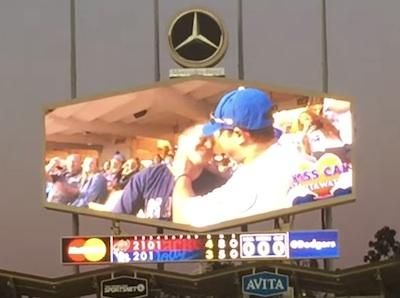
[(203, 247), (155, 249), (172, 248), (261, 246)]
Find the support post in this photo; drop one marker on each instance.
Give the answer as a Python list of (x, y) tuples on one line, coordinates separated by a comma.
[(160, 266), (75, 232), (116, 228), (326, 213), (240, 41)]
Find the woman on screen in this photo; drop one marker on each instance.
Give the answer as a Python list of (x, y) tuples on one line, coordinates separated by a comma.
[(319, 133)]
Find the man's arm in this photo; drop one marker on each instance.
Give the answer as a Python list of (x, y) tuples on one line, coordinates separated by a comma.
[(54, 162), (183, 187), (182, 193), (67, 191), (227, 202), (184, 172)]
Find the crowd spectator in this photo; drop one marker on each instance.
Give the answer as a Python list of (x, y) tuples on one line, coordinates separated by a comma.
[(93, 186)]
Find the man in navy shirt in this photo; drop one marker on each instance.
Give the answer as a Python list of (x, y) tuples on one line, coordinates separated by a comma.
[(93, 186), (148, 193)]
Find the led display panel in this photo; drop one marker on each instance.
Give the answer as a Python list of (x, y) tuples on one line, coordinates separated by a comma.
[(147, 156), (175, 248)]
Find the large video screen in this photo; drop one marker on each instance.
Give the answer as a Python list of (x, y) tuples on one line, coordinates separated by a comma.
[(145, 156)]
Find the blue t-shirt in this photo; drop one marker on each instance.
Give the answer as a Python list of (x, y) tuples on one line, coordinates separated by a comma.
[(150, 190)]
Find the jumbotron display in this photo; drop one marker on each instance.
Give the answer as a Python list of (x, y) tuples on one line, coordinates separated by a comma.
[(201, 247), (164, 157)]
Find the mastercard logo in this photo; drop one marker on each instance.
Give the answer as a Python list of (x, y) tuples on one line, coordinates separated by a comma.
[(87, 250)]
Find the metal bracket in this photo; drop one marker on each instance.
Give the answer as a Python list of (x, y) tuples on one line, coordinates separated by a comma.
[(12, 288), (379, 278), (284, 223), (116, 228), (160, 266)]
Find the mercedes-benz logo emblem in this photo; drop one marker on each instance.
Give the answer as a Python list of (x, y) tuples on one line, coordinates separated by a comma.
[(197, 39)]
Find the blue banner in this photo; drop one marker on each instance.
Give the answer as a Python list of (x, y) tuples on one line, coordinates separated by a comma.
[(319, 244)]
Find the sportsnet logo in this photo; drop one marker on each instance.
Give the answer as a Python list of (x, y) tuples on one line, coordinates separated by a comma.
[(314, 244), (124, 287)]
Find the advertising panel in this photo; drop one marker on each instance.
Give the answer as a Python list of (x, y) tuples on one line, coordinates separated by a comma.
[(265, 284), (143, 249), (86, 250), (314, 244), (199, 154), (124, 287)]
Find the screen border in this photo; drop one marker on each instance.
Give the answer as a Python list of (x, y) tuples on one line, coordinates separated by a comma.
[(294, 210)]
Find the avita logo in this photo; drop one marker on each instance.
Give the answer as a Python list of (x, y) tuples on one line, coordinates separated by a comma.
[(87, 250), (265, 284)]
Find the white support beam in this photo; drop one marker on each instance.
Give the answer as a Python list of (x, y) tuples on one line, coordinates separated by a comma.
[(99, 108), (137, 102), (186, 106), (52, 127), (115, 129), (79, 139)]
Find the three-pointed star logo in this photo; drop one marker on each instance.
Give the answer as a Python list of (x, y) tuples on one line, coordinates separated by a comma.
[(197, 39), (196, 35)]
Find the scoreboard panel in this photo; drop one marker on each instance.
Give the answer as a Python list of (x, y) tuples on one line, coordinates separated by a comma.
[(200, 247)]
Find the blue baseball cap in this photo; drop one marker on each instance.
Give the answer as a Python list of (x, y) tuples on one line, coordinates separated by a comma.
[(245, 108)]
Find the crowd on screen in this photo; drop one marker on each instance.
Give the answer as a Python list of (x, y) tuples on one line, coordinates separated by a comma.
[(318, 128), (80, 181), (130, 186)]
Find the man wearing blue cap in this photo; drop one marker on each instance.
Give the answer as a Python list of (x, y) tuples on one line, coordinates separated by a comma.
[(242, 126)]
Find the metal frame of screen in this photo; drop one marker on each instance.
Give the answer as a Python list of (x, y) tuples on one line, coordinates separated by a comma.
[(339, 200)]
